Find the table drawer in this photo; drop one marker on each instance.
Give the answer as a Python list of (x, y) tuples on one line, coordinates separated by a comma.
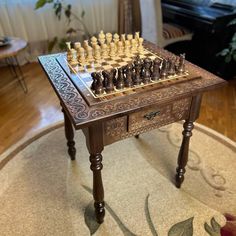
[(159, 115)]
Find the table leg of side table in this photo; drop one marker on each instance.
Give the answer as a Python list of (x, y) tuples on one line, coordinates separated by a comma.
[(16, 69), (187, 133), (94, 141), (69, 133)]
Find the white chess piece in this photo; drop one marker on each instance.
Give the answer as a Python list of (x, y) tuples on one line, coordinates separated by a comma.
[(74, 62), (129, 37), (94, 42), (112, 50), (101, 37), (120, 48), (127, 48), (137, 36), (140, 45), (97, 53), (86, 44), (89, 54), (82, 59), (134, 46), (105, 51), (108, 38)]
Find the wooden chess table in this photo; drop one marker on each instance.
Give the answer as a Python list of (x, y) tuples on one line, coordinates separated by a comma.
[(105, 120)]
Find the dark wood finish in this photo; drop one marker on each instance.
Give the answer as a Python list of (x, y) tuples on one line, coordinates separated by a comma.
[(187, 133), (69, 133), (94, 141), (130, 115)]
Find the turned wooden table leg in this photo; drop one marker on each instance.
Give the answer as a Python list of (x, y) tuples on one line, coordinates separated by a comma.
[(98, 191), (187, 133), (69, 133), (183, 153), (94, 141)]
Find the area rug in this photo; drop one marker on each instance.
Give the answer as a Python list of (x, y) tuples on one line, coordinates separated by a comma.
[(42, 192)]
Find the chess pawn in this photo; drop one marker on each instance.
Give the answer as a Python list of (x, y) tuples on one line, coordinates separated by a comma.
[(156, 70), (82, 59), (181, 65), (113, 72), (164, 69), (128, 76), (120, 48), (89, 54), (112, 50), (77, 46), (127, 48), (68, 46), (133, 46), (171, 69), (99, 85), (97, 53), (146, 74), (101, 37), (108, 38), (140, 45), (74, 62), (104, 51), (120, 83)]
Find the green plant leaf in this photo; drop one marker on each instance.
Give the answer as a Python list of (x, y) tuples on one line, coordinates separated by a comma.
[(40, 3), (224, 52), (234, 56), (184, 228), (58, 10), (228, 58), (68, 12)]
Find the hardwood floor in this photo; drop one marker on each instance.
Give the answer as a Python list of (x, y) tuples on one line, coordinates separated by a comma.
[(21, 114)]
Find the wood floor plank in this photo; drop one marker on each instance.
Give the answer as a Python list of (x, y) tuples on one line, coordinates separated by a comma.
[(22, 114)]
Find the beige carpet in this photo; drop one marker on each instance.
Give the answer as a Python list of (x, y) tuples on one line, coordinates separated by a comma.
[(43, 193)]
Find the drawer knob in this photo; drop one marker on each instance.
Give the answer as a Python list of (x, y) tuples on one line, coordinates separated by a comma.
[(151, 115)]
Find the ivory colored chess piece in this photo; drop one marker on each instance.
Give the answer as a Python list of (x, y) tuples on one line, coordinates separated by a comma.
[(133, 46), (127, 48), (116, 39), (101, 37), (89, 54), (74, 62), (77, 46), (82, 59), (94, 42), (86, 44), (129, 37), (137, 36), (112, 50), (97, 53), (69, 52), (105, 51), (108, 38), (140, 45), (123, 39), (120, 48)]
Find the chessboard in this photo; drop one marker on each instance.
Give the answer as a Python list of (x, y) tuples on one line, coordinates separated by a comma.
[(101, 78), (109, 63)]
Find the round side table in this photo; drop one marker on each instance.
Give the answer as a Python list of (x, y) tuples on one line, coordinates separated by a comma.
[(9, 54)]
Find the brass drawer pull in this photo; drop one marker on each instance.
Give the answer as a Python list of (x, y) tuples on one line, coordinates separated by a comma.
[(151, 115)]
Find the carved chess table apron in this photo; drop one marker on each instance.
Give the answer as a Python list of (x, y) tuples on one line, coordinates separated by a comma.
[(126, 114)]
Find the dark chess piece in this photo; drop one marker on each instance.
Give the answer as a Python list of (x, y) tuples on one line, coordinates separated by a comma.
[(94, 76), (120, 83), (137, 71), (99, 84), (109, 85), (105, 79), (156, 70), (128, 76), (164, 69), (113, 71), (181, 65), (171, 69), (146, 73)]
